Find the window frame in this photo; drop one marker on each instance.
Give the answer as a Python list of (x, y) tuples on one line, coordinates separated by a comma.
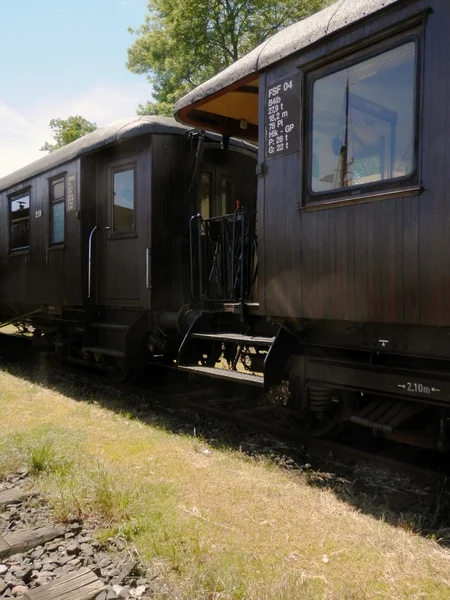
[(120, 168), (379, 189), (52, 181), (24, 192)]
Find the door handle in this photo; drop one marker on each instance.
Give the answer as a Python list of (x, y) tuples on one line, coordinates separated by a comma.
[(93, 230)]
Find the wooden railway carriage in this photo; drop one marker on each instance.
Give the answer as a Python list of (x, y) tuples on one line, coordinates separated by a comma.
[(350, 109), (94, 237)]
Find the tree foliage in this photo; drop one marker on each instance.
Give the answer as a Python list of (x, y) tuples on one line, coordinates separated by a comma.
[(68, 130), (185, 42)]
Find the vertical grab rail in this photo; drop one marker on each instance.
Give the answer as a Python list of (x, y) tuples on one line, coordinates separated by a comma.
[(148, 252), (191, 244), (243, 290), (90, 259)]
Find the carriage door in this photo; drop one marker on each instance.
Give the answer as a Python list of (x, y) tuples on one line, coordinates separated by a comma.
[(217, 192), (225, 193), (124, 235)]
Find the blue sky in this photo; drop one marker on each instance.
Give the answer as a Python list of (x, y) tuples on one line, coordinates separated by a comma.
[(61, 58)]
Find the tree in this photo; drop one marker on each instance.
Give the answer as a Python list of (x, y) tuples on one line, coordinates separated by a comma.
[(68, 130), (185, 42)]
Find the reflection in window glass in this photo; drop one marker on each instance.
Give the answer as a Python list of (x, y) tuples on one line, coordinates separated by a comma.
[(205, 199), (123, 205), (57, 212), (58, 189), (226, 195), (20, 222), (58, 223), (363, 122)]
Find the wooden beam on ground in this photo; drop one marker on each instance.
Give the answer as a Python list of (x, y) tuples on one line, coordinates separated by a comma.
[(79, 585), (21, 541), (13, 496)]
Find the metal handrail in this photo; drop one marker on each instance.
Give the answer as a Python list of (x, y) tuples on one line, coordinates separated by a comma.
[(191, 250), (223, 256), (147, 268), (90, 259)]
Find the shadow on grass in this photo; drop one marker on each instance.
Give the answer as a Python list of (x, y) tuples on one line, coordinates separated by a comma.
[(394, 498)]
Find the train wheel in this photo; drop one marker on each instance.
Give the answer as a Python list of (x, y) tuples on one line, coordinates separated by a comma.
[(315, 410), (119, 373)]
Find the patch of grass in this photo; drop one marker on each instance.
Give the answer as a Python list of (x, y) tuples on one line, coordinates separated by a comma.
[(40, 450), (219, 525), (110, 499), (43, 457), (11, 454)]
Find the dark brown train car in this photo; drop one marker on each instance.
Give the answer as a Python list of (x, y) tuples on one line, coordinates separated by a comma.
[(94, 237), (350, 109)]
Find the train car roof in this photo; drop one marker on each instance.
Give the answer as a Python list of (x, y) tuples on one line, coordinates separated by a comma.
[(102, 137), (240, 101)]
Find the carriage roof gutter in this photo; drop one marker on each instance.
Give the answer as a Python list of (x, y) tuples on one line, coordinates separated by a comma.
[(294, 38), (100, 138)]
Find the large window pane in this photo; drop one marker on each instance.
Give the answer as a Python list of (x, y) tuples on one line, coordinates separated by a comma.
[(205, 200), (58, 223), (20, 222), (227, 204), (123, 204), (364, 122), (57, 211)]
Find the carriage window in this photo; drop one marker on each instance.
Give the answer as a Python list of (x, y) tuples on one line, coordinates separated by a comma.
[(57, 213), (19, 238), (205, 199), (123, 202), (363, 128), (226, 195)]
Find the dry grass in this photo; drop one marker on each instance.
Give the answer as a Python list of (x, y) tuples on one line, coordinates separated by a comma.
[(221, 526), (9, 330)]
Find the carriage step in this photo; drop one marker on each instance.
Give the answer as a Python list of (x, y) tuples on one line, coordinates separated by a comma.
[(105, 351), (224, 374), (236, 307), (115, 326), (235, 338), (385, 416)]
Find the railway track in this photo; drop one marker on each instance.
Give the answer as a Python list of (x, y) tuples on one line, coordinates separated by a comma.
[(242, 410), (250, 411)]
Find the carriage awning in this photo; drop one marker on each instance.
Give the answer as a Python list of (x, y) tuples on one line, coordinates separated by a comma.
[(228, 103)]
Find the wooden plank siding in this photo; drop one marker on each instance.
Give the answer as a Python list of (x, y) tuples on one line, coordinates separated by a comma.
[(385, 260), (431, 207), (171, 210), (261, 214), (42, 274)]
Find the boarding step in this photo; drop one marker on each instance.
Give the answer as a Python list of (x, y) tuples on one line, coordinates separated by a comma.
[(234, 307), (235, 338), (385, 416), (105, 351), (236, 376), (113, 326)]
